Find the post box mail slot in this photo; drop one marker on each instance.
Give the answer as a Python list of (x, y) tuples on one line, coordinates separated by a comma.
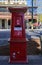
[(17, 28)]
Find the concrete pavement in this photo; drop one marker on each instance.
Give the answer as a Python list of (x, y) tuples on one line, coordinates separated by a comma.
[(32, 60)]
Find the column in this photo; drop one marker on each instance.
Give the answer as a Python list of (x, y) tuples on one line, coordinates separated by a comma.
[(6, 23), (27, 24), (0, 24)]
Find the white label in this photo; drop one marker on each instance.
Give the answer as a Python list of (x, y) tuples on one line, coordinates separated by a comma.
[(17, 28)]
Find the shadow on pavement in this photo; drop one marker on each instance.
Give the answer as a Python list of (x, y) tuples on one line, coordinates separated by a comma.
[(33, 48)]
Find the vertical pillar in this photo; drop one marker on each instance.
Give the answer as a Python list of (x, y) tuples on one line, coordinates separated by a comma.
[(27, 24), (0, 24), (6, 23)]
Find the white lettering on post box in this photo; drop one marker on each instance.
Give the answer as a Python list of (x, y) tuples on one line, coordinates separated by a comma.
[(17, 28)]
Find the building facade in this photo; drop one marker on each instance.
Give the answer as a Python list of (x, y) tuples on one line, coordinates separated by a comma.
[(5, 15)]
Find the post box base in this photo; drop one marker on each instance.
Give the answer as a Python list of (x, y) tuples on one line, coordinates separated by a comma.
[(24, 61), (18, 52)]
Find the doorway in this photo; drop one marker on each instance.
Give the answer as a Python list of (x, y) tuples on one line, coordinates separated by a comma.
[(3, 24)]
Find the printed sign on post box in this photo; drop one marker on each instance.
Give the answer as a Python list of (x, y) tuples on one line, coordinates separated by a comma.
[(18, 31), (18, 21)]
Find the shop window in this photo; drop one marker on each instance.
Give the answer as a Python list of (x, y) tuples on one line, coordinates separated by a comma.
[(30, 20)]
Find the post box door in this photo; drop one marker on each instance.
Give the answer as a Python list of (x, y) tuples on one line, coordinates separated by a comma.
[(18, 52)]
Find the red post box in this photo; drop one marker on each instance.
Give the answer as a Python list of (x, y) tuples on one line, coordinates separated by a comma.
[(18, 38)]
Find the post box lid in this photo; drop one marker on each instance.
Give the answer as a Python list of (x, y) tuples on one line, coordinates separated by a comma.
[(18, 9)]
